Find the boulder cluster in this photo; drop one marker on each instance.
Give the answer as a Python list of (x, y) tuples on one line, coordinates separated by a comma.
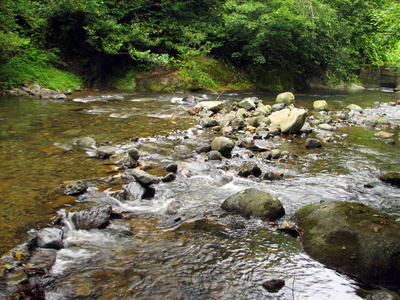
[(38, 91)]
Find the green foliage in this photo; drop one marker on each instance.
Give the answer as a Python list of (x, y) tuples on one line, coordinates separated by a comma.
[(303, 40), (195, 74), (35, 66)]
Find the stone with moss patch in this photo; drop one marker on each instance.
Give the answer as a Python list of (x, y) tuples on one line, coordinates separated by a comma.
[(391, 177), (254, 203), (354, 239)]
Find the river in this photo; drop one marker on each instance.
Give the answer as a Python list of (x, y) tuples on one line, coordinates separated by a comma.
[(44, 144)]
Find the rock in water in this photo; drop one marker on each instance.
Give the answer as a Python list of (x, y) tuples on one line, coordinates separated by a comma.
[(260, 145), (254, 203), (354, 239), (285, 98), (320, 105), (50, 238), (143, 177), (223, 145), (313, 144), (75, 188), (289, 120), (95, 217), (247, 104), (391, 177)]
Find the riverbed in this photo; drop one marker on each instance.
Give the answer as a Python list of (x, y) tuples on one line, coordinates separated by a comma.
[(180, 246)]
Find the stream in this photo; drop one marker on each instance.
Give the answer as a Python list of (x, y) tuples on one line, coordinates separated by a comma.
[(180, 244)]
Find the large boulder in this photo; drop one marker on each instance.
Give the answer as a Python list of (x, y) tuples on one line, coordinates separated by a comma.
[(289, 120), (254, 203), (285, 98), (223, 145), (354, 239)]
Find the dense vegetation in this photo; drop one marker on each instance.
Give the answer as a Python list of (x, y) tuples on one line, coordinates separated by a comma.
[(112, 41)]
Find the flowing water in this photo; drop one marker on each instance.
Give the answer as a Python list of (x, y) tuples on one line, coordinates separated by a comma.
[(180, 244)]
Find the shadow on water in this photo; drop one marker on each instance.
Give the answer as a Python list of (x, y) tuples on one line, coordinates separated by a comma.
[(180, 244)]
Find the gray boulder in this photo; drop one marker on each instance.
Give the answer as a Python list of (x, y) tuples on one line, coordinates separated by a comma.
[(289, 120), (285, 98), (354, 239), (94, 217), (313, 144), (247, 104), (254, 203), (143, 177), (126, 159), (277, 107), (223, 145), (214, 106), (260, 145), (75, 188), (209, 122), (50, 238)]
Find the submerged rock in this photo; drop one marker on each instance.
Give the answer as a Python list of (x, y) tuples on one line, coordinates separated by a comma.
[(254, 203), (354, 239), (43, 259)]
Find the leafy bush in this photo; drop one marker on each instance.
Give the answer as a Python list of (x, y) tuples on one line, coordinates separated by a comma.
[(36, 66)]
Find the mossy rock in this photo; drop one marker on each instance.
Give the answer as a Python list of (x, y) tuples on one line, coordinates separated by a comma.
[(391, 177), (254, 203), (354, 239)]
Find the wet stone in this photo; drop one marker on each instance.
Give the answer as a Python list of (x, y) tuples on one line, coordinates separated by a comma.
[(169, 177), (260, 145), (214, 155), (95, 217), (274, 285), (313, 144), (43, 259), (75, 188), (143, 177), (50, 238)]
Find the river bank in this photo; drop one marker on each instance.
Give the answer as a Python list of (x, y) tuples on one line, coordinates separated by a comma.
[(189, 214)]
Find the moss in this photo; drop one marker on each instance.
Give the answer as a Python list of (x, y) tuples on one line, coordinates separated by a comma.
[(391, 177), (352, 238)]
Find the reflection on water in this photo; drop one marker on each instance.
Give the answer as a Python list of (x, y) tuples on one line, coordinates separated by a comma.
[(180, 244)]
